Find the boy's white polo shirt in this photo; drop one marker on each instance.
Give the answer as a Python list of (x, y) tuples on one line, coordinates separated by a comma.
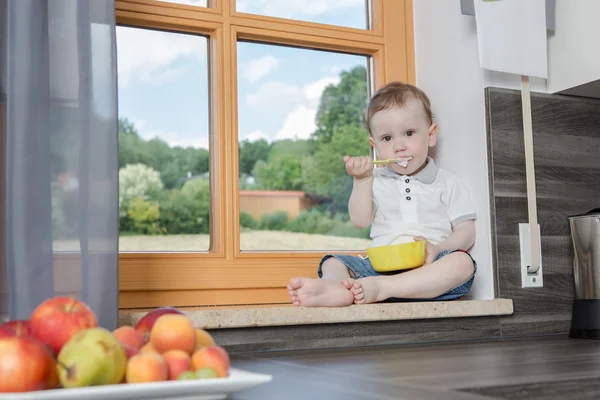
[(426, 204)]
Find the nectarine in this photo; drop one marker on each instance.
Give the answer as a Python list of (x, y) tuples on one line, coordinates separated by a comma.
[(129, 336), (173, 331), (204, 339), (146, 367), (212, 357), (145, 324), (178, 361)]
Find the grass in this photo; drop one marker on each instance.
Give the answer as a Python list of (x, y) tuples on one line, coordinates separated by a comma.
[(250, 240)]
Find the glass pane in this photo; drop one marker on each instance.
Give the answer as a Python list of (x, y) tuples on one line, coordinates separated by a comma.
[(300, 112), (163, 141), (199, 3), (348, 13)]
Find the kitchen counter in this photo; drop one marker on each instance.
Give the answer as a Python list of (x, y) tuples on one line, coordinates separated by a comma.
[(550, 367)]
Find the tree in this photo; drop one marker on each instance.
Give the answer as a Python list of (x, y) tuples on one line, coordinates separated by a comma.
[(137, 181), (250, 153), (342, 104), (325, 171), (173, 163), (281, 172)]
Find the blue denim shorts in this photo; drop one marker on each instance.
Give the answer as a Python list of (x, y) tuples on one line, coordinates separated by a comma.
[(362, 268)]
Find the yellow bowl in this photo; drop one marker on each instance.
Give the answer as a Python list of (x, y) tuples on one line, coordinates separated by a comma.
[(396, 257)]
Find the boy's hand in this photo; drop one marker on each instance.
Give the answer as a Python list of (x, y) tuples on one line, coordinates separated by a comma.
[(359, 167), (431, 250)]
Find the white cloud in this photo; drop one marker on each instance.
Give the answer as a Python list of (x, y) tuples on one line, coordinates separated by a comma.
[(275, 96), (295, 8), (299, 104), (255, 135), (313, 90), (172, 138), (298, 124), (149, 56), (259, 68), (336, 69)]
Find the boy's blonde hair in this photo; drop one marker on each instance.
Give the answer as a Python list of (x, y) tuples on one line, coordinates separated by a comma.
[(396, 94)]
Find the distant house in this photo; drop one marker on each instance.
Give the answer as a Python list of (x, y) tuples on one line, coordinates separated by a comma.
[(260, 202)]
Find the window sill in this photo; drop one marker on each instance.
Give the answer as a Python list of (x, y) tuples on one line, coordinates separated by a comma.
[(251, 316)]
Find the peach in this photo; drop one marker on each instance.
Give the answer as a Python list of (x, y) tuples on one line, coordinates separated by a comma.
[(212, 357), (178, 361), (145, 324), (130, 351), (26, 365), (146, 367), (173, 331), (147, 348), (204, 339), (129, 336)]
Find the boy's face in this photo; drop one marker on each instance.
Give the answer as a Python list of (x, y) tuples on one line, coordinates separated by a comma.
[(403, 132)]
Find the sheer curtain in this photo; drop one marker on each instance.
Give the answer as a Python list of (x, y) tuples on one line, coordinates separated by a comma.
[(59, 149)]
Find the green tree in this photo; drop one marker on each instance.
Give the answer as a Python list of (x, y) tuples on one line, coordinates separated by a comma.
[(342, 104), (137, 181), (281, 172), (250, 153), (325, 172), (173, 163)]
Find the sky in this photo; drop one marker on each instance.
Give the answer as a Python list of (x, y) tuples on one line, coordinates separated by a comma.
[(163, 77)]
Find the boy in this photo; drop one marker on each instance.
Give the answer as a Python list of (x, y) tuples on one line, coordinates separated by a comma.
[(411, 199)]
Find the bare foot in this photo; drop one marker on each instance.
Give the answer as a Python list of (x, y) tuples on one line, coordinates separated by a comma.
[(367, 290), (307, 292)]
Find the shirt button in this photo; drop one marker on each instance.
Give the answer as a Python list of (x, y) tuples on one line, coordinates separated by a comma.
[(407, 190), (407, 180), (407, 197)]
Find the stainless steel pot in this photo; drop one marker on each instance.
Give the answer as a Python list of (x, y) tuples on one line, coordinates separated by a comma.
[(585, 243)]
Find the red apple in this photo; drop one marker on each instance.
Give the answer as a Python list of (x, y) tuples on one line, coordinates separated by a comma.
[(15, 328), (57, 319), (25, 365), (145, 324)]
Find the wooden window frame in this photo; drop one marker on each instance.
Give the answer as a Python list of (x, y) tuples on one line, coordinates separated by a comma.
[(224, 275)]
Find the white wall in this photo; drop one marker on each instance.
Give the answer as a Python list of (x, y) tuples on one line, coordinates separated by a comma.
[(447, 66)]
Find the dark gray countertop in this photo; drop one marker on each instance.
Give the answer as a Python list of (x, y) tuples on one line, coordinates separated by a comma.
[(554, 367)]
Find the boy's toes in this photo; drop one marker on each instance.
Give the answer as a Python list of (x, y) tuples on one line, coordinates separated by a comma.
[(348, 283), (357, 288), (359, 297)]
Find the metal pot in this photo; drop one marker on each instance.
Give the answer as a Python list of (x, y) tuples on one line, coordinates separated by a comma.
[(585, 242)]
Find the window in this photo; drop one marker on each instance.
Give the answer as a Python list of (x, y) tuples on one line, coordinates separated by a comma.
[(234, 186), (164, 175)]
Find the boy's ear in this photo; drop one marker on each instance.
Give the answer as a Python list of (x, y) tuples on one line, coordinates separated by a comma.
[(372, 141), (433, 131)]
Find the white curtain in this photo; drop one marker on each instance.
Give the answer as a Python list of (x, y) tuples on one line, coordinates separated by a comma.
[(59, 149)]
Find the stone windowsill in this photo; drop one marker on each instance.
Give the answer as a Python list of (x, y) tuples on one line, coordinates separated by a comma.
[(234, 317)]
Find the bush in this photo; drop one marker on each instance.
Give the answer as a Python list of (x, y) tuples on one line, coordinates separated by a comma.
[(247, 221), (314, 221), (144, 216), (137, 180), (183, 214), (310, 222), (277, 221)]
